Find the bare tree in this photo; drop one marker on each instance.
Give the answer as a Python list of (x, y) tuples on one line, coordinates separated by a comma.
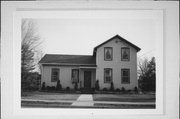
[(147, 74), (29, 49), (142, 66)]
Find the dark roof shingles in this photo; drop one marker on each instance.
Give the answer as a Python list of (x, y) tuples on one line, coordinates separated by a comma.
[(69, 59)]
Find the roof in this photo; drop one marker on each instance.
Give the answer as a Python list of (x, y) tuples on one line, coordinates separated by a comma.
[(80, 60), (68, 59), (121, 38)]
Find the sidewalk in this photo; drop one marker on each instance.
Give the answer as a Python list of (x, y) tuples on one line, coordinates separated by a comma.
[(84, 100)]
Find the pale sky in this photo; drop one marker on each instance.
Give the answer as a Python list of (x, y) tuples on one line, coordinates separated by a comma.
[(80, 36)]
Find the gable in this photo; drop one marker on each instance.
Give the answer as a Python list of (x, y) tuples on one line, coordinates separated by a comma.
[(121, 39)]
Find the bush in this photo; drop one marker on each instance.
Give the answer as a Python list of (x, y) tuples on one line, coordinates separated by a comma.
[(93, 89), (123, 89), (43, 86), (112, 86), (104, 89), (58, 86), (118, 90), (135, 89), (97, 85), (47, 87), (75, 86), (30, 81), (67, 88), (50, 88)]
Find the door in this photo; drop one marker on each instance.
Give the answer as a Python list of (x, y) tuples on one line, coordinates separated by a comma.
[(87, 79)]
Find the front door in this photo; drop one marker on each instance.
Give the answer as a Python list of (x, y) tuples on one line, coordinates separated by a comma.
[(87, 79)]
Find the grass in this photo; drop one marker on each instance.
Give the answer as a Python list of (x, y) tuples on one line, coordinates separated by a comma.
[(124, 97), (44, 104), (62, 100), (49, 96), (124, 106)]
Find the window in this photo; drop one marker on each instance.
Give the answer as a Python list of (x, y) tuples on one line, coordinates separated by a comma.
[(125, 54), (75, 75), (107, 75), (54, 75), (108, 56), (125, 75)]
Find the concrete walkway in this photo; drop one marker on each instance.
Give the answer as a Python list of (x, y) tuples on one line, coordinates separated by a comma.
[(84, 100)]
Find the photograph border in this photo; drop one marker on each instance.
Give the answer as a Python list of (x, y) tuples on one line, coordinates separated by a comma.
[(15, 16), (155, 15)]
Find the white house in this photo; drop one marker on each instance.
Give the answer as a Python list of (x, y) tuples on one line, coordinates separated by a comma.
[(115, 60)]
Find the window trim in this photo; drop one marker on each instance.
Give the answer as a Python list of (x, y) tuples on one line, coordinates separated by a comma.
[(122, 54), (125, 69), (111, 54), (110, 77), (72, 74), (58, 70)]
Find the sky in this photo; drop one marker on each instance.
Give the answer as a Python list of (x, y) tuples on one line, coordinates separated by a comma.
[(80, 36)]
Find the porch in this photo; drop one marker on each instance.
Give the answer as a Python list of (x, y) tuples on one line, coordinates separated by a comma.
[(87, 78)]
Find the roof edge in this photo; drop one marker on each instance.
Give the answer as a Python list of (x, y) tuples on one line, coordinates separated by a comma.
[(117, 36)]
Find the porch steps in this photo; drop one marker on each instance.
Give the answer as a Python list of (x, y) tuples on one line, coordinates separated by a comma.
[(87, 91)]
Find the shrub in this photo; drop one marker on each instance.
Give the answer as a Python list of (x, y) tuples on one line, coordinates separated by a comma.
[(67, 88), (58, 86), (123, 89), (104, 89), (50, 88), (97, 85), (43, 86), (135, 89), (53, 88), (93, 89), (75, 86), (112, 86), (47, 87), (118, 90)]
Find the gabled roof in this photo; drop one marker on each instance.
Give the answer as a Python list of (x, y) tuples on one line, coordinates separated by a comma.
[(121, 38), (80, 60), (68, 59)]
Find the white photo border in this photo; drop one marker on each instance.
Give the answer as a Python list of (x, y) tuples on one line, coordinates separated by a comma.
[(161, 59)]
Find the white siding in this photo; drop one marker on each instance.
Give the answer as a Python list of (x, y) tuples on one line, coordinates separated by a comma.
[(65, 76), (116, 64)]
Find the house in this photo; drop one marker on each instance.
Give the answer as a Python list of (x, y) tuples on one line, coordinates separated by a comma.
[(115, 60)]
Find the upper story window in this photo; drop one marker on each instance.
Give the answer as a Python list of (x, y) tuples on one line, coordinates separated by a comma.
[(108, 53), (75, 75), (107, 75), (125, 76), (125, 54), (54, 74)]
